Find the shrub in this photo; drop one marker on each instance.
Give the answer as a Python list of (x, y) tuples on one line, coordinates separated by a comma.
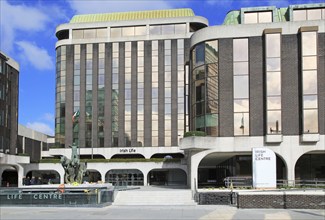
[(194, 133)]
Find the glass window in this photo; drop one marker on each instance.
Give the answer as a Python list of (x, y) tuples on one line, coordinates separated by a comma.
[(128, 31), (309, 45), (310, 101), (273, 45), (314, 14), (140, 30), (310, 82), (274, 122), (155, 30), (273, 83), (310, 121), (241, 68), (250, 18), (241, 105), (211, 51), (116, 32), (168, 29), (89, 33), (299, 15), (101, 33), (77, 34), (309, 63), (199, 54), (240, 50), (241, 87), (274, 102), (265, 17), (241, 124), (180, 28)]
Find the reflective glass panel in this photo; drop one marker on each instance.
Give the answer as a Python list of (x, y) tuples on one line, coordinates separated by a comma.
[(314, 14), (265, 17), (240, 50), (273, 48), (155, 30), (77, 34), (89, 33), (309, 44), (250, 18), (241, 68), (310, 101), (273, 83), (140, 30), (128, 31), (199, 54), (241, 105), (168, 29), (273, 64), (311, 121), (241, 124), (274, 102), (211, 51), (180, 28), (102, 33), (115, 32), (241, 87), (299, 15), (309, 82), (273, 122), (309, 63)]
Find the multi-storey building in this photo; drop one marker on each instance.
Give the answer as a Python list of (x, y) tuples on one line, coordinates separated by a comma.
[(139, 80)]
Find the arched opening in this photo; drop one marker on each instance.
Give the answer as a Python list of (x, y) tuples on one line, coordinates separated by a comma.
[(39, 177), (215, 167), (127, 156), (92, 176), (310, 166), (126, 177), (173, 155), (9, 178), (167, 177)]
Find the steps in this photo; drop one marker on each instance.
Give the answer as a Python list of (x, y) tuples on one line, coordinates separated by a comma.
[(156, 197)]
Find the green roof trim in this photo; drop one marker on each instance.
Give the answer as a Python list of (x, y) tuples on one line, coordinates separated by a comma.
[(136, 15)]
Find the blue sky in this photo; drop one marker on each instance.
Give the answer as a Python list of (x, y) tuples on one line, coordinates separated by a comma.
[(27, 34)]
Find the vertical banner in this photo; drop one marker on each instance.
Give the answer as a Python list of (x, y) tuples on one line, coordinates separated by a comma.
[(264, 168)]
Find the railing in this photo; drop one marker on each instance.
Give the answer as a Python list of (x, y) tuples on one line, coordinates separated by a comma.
[(235, 181), (313, 183)]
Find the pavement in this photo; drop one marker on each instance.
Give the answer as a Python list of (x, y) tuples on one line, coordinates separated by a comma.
[(204, 212)]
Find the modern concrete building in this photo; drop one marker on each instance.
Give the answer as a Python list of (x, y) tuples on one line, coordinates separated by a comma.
[(140, 80)]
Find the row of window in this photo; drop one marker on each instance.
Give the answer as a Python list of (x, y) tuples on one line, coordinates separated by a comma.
[(167, 29), (203, 82), (298, 15)]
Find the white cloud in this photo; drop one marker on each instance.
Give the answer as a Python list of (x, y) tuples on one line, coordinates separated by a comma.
[(100, 6), (40, 127), (48, 117), (38, 57), (19, 18)]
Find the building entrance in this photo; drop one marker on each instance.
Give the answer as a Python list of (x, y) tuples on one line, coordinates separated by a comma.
[(167, 177)]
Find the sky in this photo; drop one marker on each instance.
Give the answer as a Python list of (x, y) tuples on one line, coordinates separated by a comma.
[(27, 35)]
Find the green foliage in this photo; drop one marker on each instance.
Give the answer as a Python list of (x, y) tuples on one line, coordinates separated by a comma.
[(195, 133), (23, 154)]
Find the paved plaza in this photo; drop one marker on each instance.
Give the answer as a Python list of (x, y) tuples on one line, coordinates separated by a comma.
[(158, 213)]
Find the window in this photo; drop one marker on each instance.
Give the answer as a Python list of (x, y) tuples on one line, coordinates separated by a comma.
[(309, 82), (273, 83), (308, 14), (241, 86), (258, 17)]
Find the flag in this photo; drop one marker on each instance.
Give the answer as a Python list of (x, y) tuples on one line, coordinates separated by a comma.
[(75, 116)]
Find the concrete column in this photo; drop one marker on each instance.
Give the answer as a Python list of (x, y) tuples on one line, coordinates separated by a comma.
[(103, 175), (291, 174), (145, 177), (61, 176), (20, 171)]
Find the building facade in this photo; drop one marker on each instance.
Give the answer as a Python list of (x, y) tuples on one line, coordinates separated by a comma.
[(129, 85), (9, 82)]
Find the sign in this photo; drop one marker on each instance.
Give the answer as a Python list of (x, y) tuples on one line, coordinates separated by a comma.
[(128, 150), (264, 168)]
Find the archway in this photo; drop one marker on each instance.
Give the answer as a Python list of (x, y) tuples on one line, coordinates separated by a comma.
[(42, 177), (172, 155), (215, 167), (310, 166), (92, 176), (168, 177), (125, 177), (9, 178)]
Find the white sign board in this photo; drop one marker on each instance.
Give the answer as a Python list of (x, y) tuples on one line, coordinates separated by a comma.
[(264, 168)]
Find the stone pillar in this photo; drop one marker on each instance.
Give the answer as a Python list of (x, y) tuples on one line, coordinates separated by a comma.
[(291, 174), (20, 172), (145, 177)]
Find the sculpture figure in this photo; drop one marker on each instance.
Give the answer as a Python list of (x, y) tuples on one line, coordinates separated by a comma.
[(74, 169)]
